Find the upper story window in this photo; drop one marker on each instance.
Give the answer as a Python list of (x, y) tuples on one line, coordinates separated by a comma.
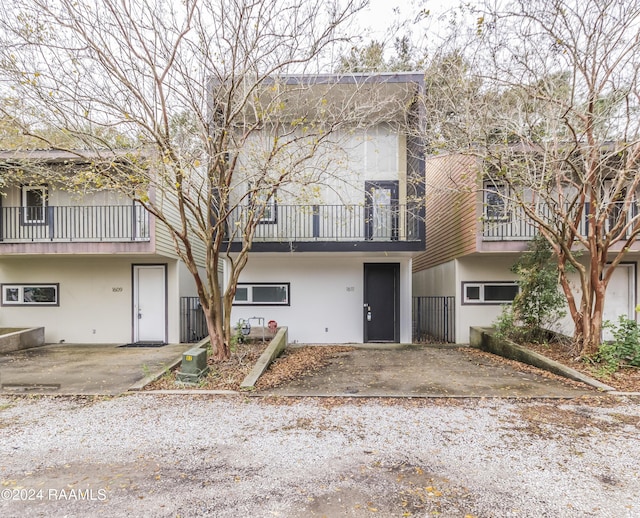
[(616, 204), (34, 202), (495, 201)]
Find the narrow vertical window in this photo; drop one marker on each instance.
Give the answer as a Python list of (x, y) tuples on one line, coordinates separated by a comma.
[(34, 202), (264, 199), (495, 204)]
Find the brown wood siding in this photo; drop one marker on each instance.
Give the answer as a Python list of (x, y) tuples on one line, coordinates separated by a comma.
[(450, 201)]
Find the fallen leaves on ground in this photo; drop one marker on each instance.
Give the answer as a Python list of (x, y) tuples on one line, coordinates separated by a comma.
[(626, 379), (549, 420), (228, 375), (298, 361), (519, 366)]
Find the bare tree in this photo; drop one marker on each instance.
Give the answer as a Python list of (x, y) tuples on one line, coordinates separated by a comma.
[(546, 95), (197, 100)]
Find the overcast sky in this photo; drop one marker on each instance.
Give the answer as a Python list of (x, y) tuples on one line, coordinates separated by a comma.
[(381, 14)]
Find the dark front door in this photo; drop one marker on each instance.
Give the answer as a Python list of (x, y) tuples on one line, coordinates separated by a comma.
[(382, 302)]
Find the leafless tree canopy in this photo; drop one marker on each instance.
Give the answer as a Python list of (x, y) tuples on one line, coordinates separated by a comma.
[(546, 93), (181, 93)]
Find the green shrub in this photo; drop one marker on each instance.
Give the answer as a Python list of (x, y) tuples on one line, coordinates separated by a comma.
[(539, 303), (506, 326), (238, 336), (624, 349)]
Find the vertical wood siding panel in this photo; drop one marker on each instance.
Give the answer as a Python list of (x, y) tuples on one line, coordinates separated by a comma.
[(451, 219)]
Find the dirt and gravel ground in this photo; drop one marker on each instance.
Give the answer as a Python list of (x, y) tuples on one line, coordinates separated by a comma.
[(177, 455)]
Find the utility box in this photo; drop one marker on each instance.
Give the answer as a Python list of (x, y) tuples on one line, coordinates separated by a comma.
[(193, 366)]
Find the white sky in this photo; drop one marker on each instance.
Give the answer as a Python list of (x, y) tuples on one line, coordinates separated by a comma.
[(381, 14)]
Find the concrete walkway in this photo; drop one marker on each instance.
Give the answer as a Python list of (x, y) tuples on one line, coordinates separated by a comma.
[(83, 369)]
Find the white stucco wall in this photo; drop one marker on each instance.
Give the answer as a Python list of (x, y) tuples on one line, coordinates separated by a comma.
[(447, 280), (491, 268), (438, 281), (337, 172), (619, 300), (186, 283), (479, 269), (95, 298), (326, 295)]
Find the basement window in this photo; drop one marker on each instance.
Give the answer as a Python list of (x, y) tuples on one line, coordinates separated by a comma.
[(489, 292), (262, 294), (30, 294)]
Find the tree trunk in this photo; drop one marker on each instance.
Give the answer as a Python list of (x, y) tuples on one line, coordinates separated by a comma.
[(227, 306), (591, 343), (219, 345)]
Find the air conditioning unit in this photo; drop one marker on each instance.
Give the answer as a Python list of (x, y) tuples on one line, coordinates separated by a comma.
[(193, 367)]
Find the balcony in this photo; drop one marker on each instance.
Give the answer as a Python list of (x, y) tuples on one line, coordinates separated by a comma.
[(89, 224), (332, 228), (513, 225)]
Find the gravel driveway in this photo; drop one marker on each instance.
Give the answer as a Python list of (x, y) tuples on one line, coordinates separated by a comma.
[(177, 455)]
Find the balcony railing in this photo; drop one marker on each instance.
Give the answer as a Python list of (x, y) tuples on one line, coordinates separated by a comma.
[(515, 225), (297, 223), (107, 223)]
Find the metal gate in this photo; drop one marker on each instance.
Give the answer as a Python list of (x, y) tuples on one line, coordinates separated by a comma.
[(434, 319), (193, 326)]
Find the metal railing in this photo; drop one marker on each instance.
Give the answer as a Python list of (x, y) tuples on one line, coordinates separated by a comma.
[(434, 319), (332, 223), (193, 326), (515, 225), (104, 223)]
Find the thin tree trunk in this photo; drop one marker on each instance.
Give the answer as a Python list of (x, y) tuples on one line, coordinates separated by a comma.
[(591, 345), (220, 347), (227, 305)]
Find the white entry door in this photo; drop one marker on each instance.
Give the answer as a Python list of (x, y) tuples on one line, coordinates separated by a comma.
[(149, 303), (620, 296)]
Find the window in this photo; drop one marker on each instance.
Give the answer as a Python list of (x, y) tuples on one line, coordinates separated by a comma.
[(259, 199), (615, 206), (30, 295), (495, 201), (262, 294), (489, 292), (34, 202), (381, 209)]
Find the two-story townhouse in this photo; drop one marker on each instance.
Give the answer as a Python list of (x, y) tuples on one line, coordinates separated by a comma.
[(89, 268), (474, 237), (334, 265)]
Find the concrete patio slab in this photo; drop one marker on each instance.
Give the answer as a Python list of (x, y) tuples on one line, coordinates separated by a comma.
[(367, 371), (72, 369), (410, 371)]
